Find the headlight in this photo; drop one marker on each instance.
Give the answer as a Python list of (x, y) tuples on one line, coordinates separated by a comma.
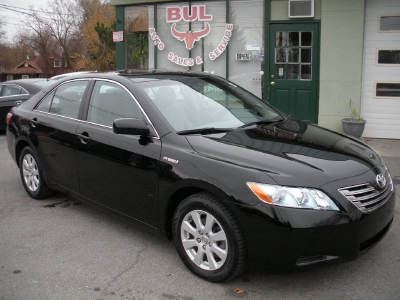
[(390, 179), (292, 197)]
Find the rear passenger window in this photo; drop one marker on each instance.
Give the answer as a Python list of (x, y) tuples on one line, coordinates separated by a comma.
[(110, 101), (66, 100), (45, 104), (10, 90)]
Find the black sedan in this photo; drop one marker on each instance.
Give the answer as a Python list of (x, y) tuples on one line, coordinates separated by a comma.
[(14, 92), (232, 181)]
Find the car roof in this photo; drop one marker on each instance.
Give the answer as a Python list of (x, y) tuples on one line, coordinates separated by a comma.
[(27, 80), (127, 76), (130, 72), (56, 77), (138, 73)]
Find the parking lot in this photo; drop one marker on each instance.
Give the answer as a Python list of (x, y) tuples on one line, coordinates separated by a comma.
[(59, 248)]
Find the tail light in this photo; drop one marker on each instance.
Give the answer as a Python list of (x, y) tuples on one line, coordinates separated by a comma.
[(9, 117)]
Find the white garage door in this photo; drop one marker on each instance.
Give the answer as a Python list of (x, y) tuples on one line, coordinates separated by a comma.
[(381, 81)]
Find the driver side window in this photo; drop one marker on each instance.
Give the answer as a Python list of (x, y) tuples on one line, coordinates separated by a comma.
[(110, 101)]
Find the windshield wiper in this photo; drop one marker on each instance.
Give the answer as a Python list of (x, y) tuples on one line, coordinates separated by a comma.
[(205, 130), (264, 122)]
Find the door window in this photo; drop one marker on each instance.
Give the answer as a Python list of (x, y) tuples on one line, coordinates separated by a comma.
[(293, 55), (10, 90), (45, 104), (66, 100), (110, 101)]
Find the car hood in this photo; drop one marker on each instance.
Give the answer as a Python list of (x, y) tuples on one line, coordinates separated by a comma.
[(291, 152)]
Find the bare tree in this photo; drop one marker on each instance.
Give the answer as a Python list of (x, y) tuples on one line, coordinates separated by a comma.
[(2, 47), (2, 31), (54, 31), (64, 29), (62, 19), (38, 37), (11, 55)]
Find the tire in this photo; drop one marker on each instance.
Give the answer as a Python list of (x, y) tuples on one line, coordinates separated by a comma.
[(32, 176), (208, 238)]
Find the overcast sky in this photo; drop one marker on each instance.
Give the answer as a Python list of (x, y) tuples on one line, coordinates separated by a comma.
[(13, 18)]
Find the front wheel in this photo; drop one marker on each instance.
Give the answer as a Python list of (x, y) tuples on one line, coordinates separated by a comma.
[(32, 176), (209, 239)]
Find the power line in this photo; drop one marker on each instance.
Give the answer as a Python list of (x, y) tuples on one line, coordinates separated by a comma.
[(17, 7), (14, 9), (17, 11)]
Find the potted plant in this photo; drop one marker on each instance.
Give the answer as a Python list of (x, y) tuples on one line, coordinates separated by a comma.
[(354, 125)]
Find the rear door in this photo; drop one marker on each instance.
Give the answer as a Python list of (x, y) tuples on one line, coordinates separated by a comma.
[(53, 127), (117, 171)]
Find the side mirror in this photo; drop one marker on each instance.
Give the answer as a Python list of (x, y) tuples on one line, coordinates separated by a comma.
[(130, 126)]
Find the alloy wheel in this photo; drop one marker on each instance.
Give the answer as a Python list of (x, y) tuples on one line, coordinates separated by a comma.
[(204, 240), (30, 172)]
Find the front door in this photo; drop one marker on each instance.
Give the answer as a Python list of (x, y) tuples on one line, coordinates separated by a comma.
[(294, 70), (117, 171)]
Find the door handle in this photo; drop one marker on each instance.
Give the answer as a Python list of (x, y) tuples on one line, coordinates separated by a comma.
[(34, 122), (84, 137), (272, 83)]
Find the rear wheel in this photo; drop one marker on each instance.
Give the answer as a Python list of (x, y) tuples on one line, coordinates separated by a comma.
[(32, 176), (209, 239)]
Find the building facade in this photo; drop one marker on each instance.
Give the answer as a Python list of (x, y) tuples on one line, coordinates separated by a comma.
[(308, 58)]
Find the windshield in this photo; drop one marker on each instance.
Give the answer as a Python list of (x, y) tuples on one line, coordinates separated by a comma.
[(189, 103)]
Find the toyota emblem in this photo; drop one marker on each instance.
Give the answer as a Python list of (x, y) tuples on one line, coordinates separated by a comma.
[(381, 180)]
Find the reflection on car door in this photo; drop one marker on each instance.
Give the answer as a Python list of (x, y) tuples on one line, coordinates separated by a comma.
[(53, 126), (117, 171)]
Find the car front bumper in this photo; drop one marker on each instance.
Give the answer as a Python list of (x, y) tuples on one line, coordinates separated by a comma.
[(296, 237)]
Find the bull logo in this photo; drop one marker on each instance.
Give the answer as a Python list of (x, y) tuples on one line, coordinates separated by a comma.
[(190, 36)]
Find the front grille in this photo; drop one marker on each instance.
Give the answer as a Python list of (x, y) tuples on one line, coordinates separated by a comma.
[(366, 197)]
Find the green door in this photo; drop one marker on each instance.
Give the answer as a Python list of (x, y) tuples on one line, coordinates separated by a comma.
[(294, 70)]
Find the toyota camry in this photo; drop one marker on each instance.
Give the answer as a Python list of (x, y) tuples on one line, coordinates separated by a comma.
[(231, 180)]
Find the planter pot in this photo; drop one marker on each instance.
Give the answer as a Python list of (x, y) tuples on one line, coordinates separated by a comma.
[(353, 127)]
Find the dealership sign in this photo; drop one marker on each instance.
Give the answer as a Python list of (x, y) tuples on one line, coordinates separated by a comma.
[(176, 14)]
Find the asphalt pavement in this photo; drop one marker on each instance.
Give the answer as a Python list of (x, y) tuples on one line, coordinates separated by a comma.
[(59, 248)]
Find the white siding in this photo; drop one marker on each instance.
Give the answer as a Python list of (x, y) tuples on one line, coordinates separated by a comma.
[(382, 114)]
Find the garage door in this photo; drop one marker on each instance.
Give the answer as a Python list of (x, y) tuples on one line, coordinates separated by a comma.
[(381, 80)]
